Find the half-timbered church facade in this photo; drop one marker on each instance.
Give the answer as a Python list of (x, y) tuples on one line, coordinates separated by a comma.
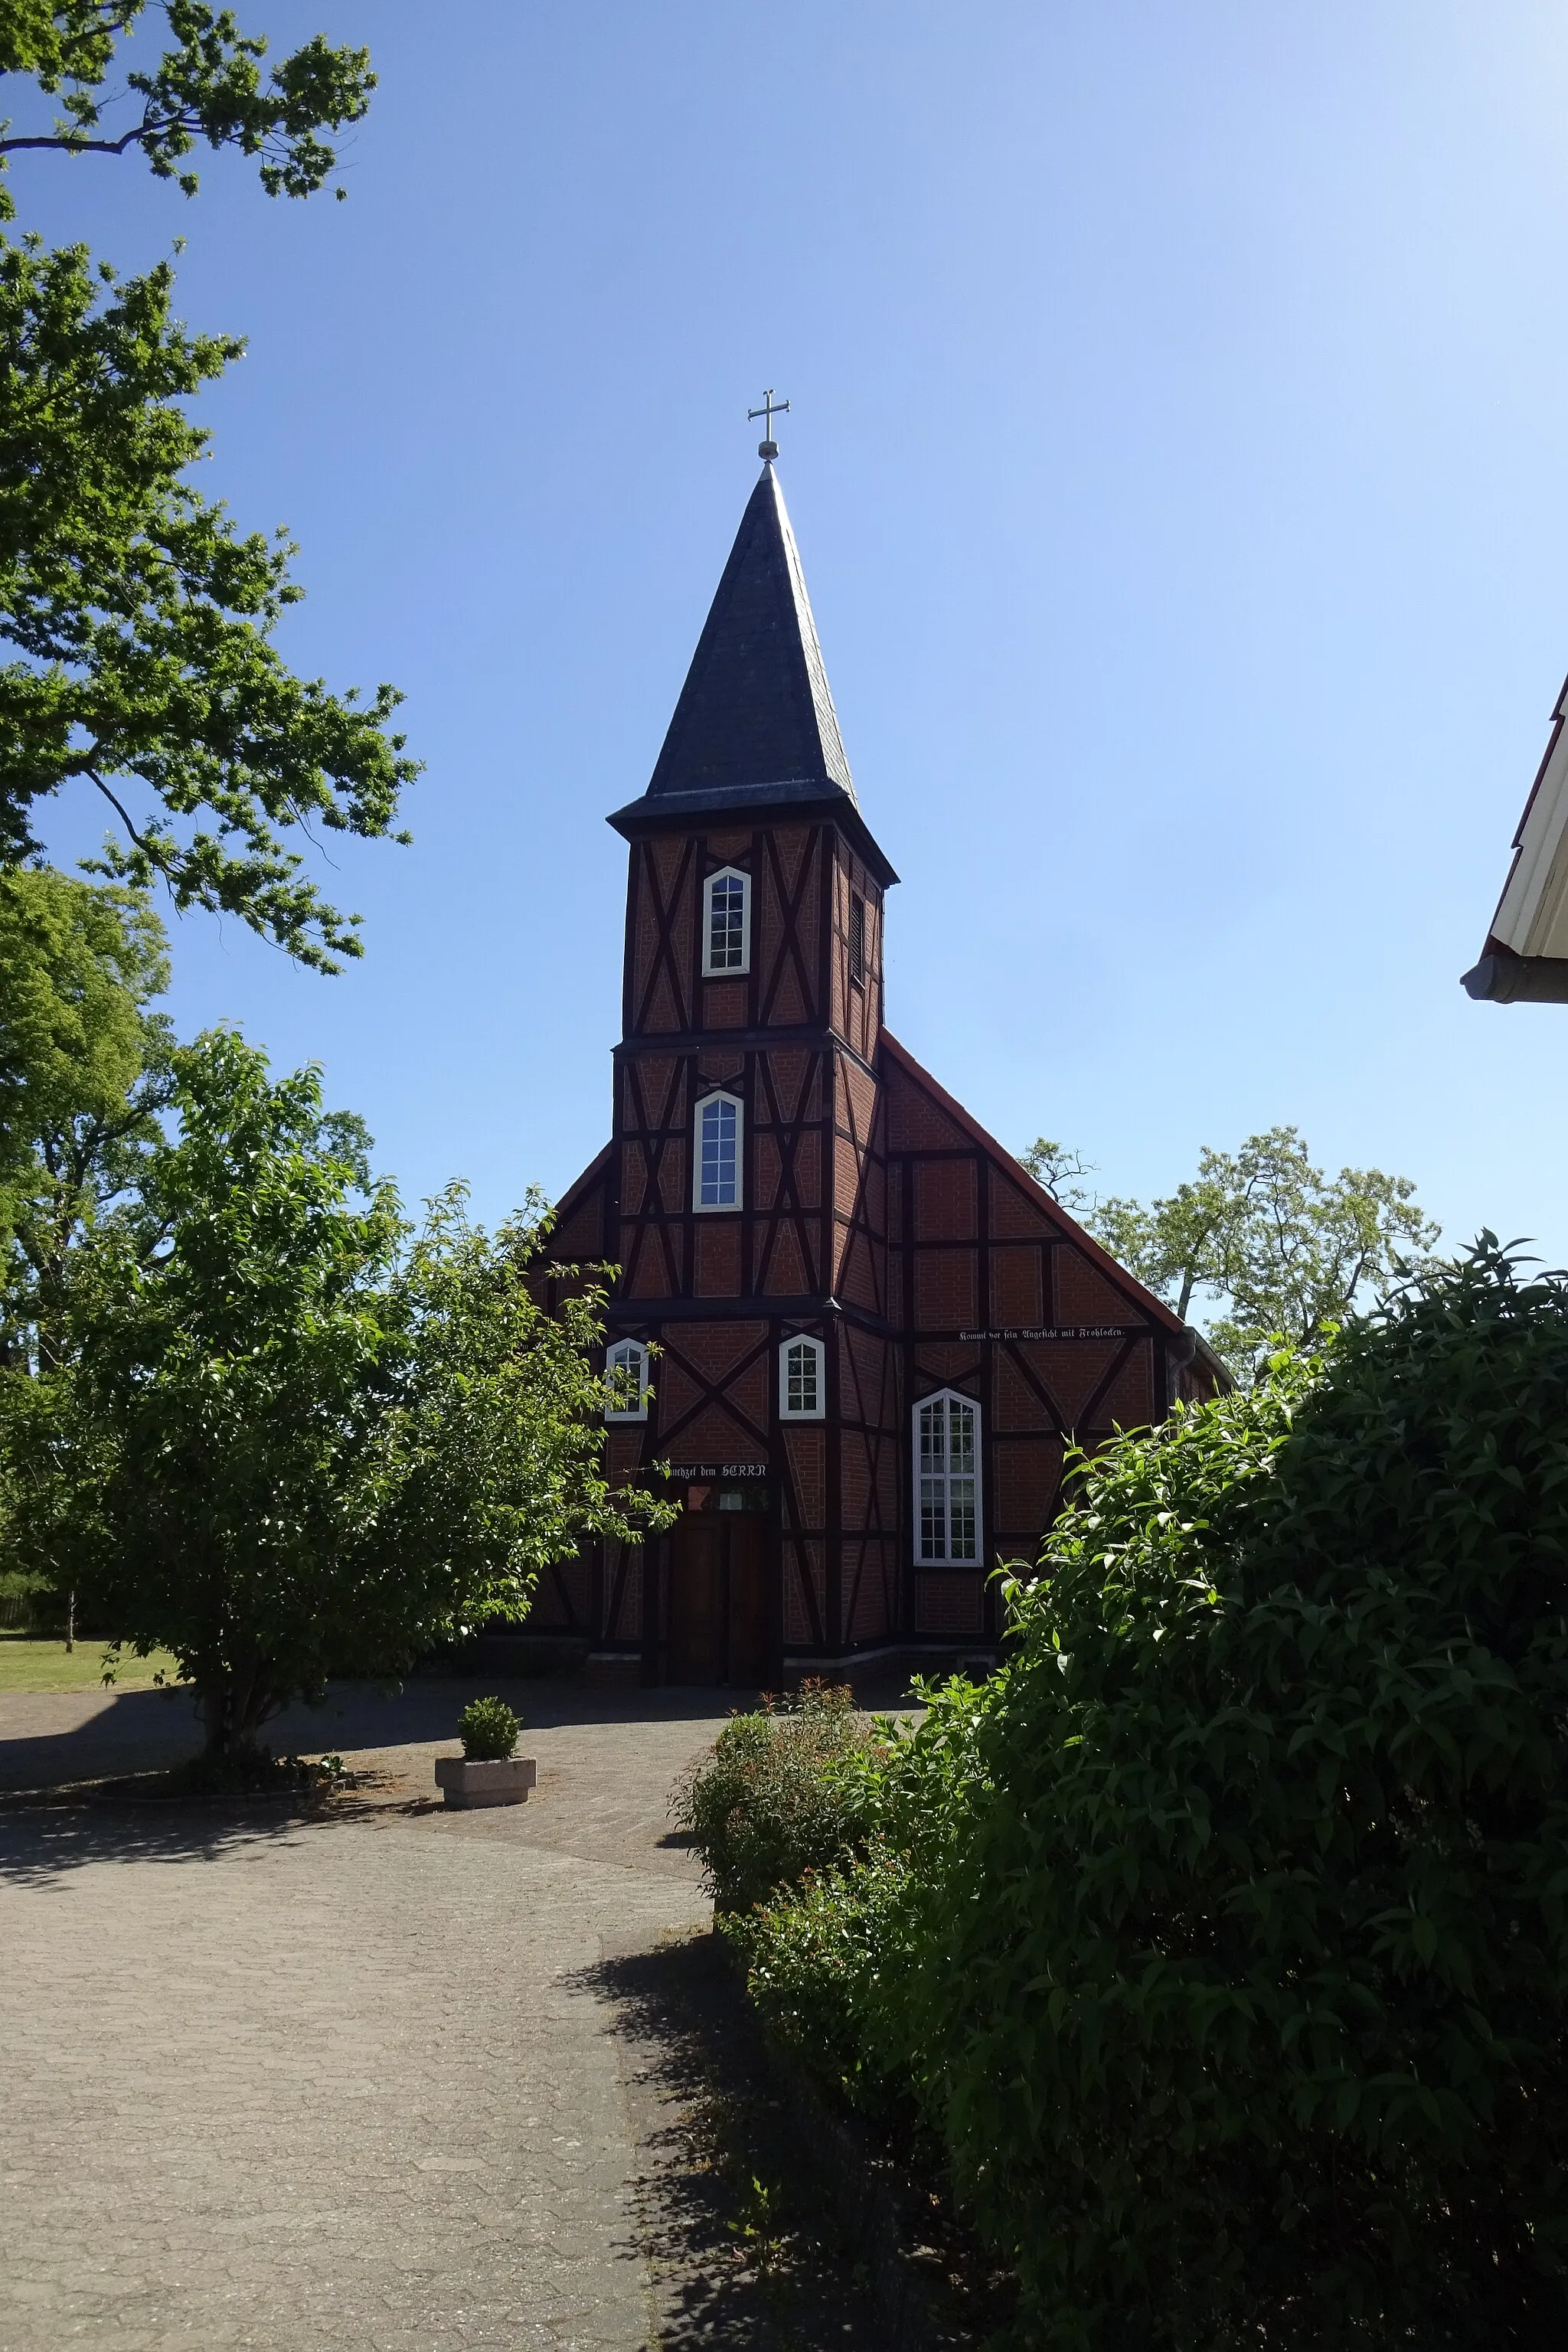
[(857, 1332)]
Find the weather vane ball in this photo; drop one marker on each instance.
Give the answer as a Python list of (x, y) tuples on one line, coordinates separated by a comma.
[(769, 409)]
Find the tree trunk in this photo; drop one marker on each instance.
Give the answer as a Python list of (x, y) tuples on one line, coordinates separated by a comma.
[(233, 1708), (70, 1621), (212, 1708)]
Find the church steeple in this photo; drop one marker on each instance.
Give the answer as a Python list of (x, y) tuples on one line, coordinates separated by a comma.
[(878, 1338), (755, 715), (754, 728)]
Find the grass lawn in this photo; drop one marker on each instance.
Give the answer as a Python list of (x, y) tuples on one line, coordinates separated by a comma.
[(30, 1665)]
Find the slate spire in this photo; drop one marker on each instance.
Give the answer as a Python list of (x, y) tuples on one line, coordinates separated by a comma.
[(754, 729), (755, 719)]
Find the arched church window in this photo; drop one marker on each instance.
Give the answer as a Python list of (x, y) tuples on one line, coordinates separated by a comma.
[(726, 923), (625, 1367), (802, 1384), (716, 1170), (947, 1480)]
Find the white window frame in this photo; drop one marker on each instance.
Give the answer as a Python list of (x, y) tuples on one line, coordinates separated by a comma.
[(945, 1479), (818, 1411), (718, 1208), (711, 970), (629, 1351)]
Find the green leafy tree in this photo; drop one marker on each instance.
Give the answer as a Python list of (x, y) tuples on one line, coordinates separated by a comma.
[(85, 1074), (299, 1437), (1287, 1251), (1232, 1954), (1283, 1250), (138, 618), (1059, 1169), (206, 86)]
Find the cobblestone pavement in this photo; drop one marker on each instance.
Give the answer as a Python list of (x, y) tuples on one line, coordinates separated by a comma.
[(340, 2084)]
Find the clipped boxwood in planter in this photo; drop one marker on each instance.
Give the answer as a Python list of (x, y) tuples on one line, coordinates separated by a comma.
[(488, 1772), (1232, 1961), (488, 1730)]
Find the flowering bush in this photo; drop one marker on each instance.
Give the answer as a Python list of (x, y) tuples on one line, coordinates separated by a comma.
[(791, 1788)]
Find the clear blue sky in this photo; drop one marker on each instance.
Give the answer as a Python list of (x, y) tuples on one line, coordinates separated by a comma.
[(1178, 457)]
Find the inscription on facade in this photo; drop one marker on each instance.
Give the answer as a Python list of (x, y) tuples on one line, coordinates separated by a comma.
[(711, 1473), (1059, 1331)]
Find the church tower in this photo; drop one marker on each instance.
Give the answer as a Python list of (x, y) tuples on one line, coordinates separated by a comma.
[(855, 1331)]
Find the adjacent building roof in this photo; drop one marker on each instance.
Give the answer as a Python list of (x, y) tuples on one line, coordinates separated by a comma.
[(1526, 953), (754, 729)]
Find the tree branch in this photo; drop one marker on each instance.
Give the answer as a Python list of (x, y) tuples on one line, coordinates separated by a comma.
[(146, 847), (67, 142)]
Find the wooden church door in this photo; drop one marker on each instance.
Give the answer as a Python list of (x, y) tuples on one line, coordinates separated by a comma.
[(719, 1599), (745, 1539)]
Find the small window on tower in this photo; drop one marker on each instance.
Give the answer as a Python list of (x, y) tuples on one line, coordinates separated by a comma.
[(716, 1171), (803, 1387), (857, 940), (626, 1383), (726, 923)]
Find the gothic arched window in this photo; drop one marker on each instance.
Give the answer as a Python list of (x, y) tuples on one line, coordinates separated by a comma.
[(726, 923), (625, 1365), (947, 1480), (716, 1161), (803, 1381)]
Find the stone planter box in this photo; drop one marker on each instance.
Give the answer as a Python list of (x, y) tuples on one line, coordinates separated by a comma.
[(506, 1782)]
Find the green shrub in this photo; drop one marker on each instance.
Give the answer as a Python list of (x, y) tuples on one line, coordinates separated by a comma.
[(790, 1789), (1235, 1944), (256, 1773), (489, 1730), (812, 1958)]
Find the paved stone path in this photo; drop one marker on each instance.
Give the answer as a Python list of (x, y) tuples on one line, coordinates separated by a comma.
[(346, 2084)]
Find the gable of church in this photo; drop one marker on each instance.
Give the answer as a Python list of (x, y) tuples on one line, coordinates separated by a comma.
[(870, 1338)]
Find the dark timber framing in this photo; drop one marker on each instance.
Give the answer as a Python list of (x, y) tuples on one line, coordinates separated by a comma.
[(875, 1216)]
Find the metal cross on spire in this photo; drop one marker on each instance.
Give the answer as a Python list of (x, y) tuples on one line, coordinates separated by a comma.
[(769, 409)]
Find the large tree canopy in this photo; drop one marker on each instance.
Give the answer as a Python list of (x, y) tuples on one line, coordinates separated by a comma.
[(85, 1072), (142, 620), (77, 964), (139, 620), (207, 85), (296, 1437), (1282, 1249)]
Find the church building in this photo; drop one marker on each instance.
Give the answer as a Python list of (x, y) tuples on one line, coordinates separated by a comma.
[(855, 1331)]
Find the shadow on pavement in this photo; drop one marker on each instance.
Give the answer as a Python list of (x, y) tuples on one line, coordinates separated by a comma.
[(730, 2210), (41, 1842), (51, 1739), (58, 1739)]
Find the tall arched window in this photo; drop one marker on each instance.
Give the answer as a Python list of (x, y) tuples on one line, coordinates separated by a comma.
[(726, 923), (625, 1365), (802, 1385), (716, 1161), (947, 1480)]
